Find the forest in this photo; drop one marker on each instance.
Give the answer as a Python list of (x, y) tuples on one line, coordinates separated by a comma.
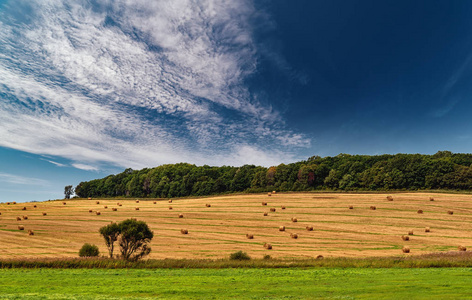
[(344, 172)]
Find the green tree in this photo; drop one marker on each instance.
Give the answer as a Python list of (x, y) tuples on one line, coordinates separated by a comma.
[(88, 250), (68, 191), (134, 238), (110, 234)]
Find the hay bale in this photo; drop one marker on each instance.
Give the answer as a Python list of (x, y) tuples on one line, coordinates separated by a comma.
[(462, 248), (405, 238), (114, 209), (281, 228), (266, 214), (283, 207), (309, 228), (208, 205), (64, 203), (136, 208), (45, 214), (406, 249), (105, 207), (25, 217), (351, 207), (137, 201), (420, 211), (249, 236), (0, 213), (98, 213), (269, 194), (170, 207), (267, 246), (273, 192), (450, 212), (155, 202), (8, 203), (170, 201), (272, 209), (264, 203), (183, 231), (119, 204), (90, 211), (21, 227), (181, 215), (320, 257), (373, 207), (97, 202), (427, 229), (90, 198), (14, 202), (431, 199), (35, 206), (389, 198), (410, 232), (294, 236), (18, 218), (294, 220), (30, 232), (24, 208)]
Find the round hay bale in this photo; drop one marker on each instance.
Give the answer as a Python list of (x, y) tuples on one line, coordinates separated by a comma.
[(105, 207), (170, 207), (410, 232), (30, 232), (119, 204), (420, 211), (35, 206), (98, 213), (266, 214), (14, 202), (373, 207), (431, 199), (208, 205), (406, 249), (137, 201), (389, 198), (64, 203), (8, 203), (309, 228), (170, 201), (269, 194), (283, 207), (45, 214), (114, 209), (267, 246), (272, 209), (181, 215), (294, 236), (351, 207), (249, 236), (25, 217), (273, 192), (24, 208), (450, 212), (137, 208), (97, 202), (18, 218), (427, 229), (90, 211), (281, 228), (155, 202), (183, 231), (264, 203), (0, 213), (462, 248), (320, 257), (294, 220), (405, 238), (21, 227), (90, 198)]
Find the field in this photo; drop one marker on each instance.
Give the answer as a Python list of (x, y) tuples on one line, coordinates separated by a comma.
[(295, 283), (217, 231)]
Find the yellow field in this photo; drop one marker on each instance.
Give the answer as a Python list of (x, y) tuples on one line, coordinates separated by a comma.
[(216, 231)]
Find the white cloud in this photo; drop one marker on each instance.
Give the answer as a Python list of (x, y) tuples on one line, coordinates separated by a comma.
[(85, 167), (134, 83), (17, 179)]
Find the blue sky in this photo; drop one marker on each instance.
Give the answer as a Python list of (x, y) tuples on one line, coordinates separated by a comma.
[(89, 88)]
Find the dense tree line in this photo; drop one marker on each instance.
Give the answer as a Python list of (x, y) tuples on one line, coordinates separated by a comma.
[(443, 170)]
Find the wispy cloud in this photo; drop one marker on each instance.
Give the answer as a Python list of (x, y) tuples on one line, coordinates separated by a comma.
[(135, 83), (22, 180)]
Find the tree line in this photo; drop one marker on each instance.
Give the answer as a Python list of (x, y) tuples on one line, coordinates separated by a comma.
[(443, 170)]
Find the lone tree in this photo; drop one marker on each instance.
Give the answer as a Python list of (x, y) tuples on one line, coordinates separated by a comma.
[(133, 237), (68, 191)]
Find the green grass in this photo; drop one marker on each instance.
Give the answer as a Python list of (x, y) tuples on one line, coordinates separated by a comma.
[(293, 283)]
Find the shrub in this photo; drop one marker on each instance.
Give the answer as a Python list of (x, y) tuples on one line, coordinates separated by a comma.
[(267, 256), (88, 250), (240, 255)]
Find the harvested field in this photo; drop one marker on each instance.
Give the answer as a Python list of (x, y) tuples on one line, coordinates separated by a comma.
[(216, 233)]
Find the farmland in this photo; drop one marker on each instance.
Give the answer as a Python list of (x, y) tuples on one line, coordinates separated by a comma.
[(218, 229)]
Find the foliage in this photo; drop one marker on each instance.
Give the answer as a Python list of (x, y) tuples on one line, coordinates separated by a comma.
[(443, 170), (89, 250), (68, 191), (133, 237), (239, 255)]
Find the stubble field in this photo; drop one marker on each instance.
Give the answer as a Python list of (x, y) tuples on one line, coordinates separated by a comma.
[(217, 231)]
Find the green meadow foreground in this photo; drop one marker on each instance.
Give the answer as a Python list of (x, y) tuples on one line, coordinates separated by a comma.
[(294, 283)]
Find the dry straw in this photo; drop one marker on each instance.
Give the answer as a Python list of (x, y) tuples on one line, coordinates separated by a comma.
[(281, 228), (249, 236), (406, 249)]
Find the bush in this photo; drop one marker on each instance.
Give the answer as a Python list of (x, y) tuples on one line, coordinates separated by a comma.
[(267, 256), (88, 250), (240, 255)]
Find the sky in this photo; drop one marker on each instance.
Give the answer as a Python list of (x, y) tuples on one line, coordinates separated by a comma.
[(89, 88)]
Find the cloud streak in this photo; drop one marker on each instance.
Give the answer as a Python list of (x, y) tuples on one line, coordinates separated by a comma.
[(135, 83), (22, 180)]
